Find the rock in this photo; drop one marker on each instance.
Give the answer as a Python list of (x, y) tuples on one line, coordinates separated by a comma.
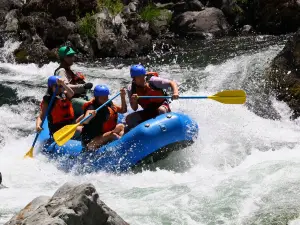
[(33, 51), (169, 5), (132, 6), (12, 23), (56, 8), (70, 9), (69, 205), (1, 185), (79, 44), (1, 42), (57, 33), (53, 32), (161, 23), (37, 23), (234, 12), (247, 30), (7, 5), (277, 16), (214, 3), (210, 21), (195, 5), (184, 6), (87, 6), (284, 75), (119, 37)]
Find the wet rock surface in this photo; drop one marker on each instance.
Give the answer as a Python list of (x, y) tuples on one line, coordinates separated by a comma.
[(70, 204)]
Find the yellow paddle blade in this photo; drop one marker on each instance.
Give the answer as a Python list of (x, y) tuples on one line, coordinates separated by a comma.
[(64, 134), (230, 97), (29, 153)]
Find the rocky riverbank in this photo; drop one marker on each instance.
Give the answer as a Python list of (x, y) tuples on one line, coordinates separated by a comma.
[(283, 75), (129, 28), (70, 205)]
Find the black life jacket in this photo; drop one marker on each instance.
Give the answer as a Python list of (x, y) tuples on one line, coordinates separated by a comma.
[(99, 123)]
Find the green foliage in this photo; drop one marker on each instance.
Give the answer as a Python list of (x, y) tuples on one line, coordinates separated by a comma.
[(87, 26), (113, 6), (150, 12)]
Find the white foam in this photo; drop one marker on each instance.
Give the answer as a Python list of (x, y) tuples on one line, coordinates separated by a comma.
[(239, 162)]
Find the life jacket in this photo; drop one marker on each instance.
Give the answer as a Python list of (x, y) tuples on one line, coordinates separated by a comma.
[(61, 113), (76, 78), (105, 120), (149, 90)]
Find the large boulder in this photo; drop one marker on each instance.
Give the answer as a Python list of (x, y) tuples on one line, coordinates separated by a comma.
[(277, 16), (209, 22), (53, 32), (116, 36), (70, 205), (284, 74), (33, 50)]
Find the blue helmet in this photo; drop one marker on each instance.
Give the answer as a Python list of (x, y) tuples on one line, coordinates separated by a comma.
[(52, 80), (101, 90), (137, 70)]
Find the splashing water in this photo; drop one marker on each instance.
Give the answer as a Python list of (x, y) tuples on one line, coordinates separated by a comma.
[(243, 169)]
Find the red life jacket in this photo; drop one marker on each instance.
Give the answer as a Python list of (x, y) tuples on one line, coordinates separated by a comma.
[(149, 90), (61, 113), (110, 122)]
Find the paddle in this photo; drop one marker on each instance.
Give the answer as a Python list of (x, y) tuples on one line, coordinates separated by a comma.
[(226, 97), (67, 132), (30, 152)]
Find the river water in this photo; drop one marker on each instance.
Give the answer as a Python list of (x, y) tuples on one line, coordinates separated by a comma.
[(243, 169)]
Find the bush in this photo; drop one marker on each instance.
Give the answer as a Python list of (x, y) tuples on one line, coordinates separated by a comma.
[(113, 6), (150, 12), (87, 26)]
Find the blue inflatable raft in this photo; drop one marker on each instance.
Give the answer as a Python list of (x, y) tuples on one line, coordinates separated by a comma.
[(151, 138)]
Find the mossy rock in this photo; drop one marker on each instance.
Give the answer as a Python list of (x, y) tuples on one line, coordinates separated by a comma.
[(21, 56), (159, 19)]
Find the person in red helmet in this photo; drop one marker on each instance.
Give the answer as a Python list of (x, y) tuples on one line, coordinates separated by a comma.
[(148, 84)]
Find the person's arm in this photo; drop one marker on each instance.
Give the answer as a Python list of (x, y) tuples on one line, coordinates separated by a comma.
[(40, 117), (77, 88), (164, 84), (132, 98), (123, 101), (69, 92), (90, 110), (79, 118), (174, 87)]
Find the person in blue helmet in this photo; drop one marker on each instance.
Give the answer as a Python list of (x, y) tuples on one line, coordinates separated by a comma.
[(61, 112), (103, 126), (148, 84)]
